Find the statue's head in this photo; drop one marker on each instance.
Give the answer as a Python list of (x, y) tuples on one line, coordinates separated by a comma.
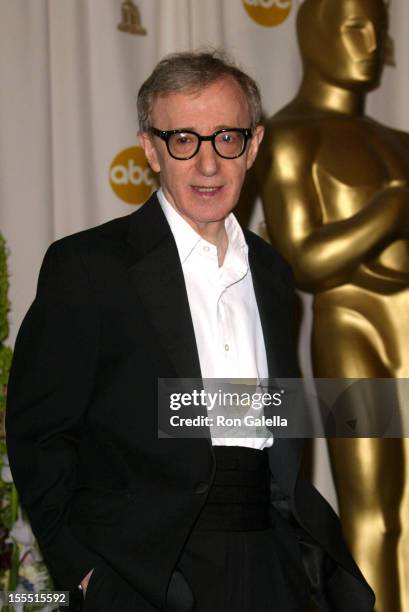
[(344, 40)]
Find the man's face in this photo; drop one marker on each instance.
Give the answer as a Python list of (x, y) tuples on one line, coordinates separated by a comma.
[(206, 188), (352, 53)]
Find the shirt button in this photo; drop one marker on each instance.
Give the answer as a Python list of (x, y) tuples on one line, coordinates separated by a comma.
[(206, 249), (226, 347), (201, 488)]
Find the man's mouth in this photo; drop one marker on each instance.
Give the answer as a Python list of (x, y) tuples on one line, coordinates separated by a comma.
[(206, 191)]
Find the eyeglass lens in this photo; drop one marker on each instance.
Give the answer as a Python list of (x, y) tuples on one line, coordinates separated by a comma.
[(227, 144)]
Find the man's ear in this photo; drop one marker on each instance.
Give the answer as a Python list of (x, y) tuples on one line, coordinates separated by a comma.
[(255, 143), (145, 140)]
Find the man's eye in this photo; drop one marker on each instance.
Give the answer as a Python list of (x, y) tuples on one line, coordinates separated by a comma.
[(183, 139), (228, 138)]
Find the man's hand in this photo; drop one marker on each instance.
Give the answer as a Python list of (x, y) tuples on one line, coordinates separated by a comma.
[(84, 582)]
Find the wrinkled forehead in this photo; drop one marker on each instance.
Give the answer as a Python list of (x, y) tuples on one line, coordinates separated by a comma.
[(335, 13)]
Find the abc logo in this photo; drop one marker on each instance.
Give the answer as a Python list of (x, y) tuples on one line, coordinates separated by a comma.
[(268, 13), (131, 177)]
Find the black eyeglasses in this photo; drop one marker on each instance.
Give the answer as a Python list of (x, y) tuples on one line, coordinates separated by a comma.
[(184, 144)]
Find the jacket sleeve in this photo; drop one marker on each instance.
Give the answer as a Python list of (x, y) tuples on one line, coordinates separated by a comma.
[(51, 383)]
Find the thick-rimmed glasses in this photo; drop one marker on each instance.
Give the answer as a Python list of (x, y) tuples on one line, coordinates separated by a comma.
[(229, 143)]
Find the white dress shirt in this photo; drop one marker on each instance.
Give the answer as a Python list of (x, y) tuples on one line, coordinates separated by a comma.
[(224, 311)]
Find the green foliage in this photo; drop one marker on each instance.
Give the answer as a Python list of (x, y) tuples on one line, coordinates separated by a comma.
[(13, 573), (4, 286), (5, 351), (6, 488)]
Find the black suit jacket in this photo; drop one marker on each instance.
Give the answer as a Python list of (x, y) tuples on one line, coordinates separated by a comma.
[(111, 315)]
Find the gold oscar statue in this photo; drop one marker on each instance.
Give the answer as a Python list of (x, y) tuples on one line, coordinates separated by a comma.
[(335, 188), (130, 19)]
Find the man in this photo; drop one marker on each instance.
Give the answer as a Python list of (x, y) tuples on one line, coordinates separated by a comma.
[(173, 290), (344, 228)]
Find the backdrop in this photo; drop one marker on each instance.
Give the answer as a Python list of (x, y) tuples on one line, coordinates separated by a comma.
[(69, 73)]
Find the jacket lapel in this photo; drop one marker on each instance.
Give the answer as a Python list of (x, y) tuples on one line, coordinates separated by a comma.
[(156, 272), (272, 296)]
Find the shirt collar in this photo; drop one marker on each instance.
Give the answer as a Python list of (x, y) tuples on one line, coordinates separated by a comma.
[(185, 236), (187, 239)]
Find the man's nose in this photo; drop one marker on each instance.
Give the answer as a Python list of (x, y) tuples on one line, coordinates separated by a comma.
[(207, 159)]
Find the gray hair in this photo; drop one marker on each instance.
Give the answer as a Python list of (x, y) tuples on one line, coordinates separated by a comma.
[(192, 71)]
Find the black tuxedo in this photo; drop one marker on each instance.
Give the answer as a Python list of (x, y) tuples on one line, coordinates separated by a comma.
[(111, 315)]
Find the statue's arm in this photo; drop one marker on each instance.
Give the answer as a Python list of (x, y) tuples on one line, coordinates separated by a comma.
[(322, 255)]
